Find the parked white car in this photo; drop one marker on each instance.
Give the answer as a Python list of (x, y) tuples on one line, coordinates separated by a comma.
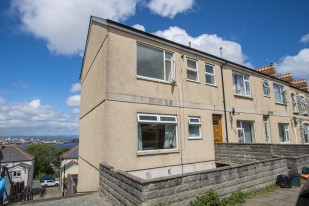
[(49, 183)]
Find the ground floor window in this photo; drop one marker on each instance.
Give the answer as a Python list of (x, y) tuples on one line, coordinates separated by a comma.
[(157, 132), (284, 132), (245, 131), (194, 127), (306, 133)]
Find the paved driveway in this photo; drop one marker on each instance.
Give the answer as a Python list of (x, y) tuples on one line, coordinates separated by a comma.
[(279, 197)]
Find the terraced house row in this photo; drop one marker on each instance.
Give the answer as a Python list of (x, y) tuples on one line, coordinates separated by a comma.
[(153, 108)]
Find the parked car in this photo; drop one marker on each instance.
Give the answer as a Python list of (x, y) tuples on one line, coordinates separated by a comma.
[(49, 183), (46, 178)]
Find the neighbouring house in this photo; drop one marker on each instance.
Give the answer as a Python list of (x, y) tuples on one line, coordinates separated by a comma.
[(19, 163), (69, 165), (152, 107)]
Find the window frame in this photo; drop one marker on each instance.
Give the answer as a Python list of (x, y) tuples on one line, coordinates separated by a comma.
[(199, 123), (210, 74), (173, 68), (286, 131), (303, 104), (157, 151), (281, 89), (244, 84), (294, 102), (15, 173), (192, 69), (241, 128), (265, 86), (306, 132)]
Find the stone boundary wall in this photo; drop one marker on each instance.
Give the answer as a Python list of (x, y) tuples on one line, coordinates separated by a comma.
[(244, 153), (299, 162), (122, 188)]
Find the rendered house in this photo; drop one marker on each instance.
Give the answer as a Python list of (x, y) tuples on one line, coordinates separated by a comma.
[(153, 107), (69, 164), (19, 163)]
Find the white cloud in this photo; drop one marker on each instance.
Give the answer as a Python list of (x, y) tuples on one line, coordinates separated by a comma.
[(170, 8), (207, 43), (298, 65), (73, 100), (63, 24), (139, 27), (305, 38), (75, 87), (33, 118), (2, 101)]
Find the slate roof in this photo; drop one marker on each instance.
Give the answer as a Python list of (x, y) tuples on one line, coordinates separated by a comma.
[(12, 153), (23, 165), (71, 154), (68, 165)]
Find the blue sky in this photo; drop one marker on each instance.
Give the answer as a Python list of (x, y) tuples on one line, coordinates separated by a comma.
[(42, 43)]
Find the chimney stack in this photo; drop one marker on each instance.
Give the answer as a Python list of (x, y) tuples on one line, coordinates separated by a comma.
[(301, 84), (269, 70), (288, 77)]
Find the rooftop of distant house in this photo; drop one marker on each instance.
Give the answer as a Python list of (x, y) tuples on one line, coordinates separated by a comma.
[(71, 154), (12, 153)]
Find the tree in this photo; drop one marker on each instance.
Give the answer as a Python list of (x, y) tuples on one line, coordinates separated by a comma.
[(45, 155)]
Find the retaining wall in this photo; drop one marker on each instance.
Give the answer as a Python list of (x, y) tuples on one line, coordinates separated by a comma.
[(125, 189), (243, 153)]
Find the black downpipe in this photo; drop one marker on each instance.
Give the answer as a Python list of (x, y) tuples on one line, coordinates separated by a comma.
[(224, 105)]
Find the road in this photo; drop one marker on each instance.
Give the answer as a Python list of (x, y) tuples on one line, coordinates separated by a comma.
[(51, 192)]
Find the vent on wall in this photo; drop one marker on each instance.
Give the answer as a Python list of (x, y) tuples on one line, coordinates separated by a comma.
[(169, 171)]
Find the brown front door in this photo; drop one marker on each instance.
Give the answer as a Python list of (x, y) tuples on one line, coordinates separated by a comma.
[(217, 128)]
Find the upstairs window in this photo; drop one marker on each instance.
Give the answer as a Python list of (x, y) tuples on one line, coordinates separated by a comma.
[(294, 102), (278, 89), (284, 133), (192, 70), (194, 127), (155, 63), (157, 132), (306, 133), (16, 173), (303, 104), (210, 74), (241, 84), (266, 88)]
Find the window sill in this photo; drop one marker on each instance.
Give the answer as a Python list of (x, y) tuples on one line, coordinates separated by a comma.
[(190, 80), (285, 142), (295, 112), (242, 96), (194, 138), (267, 96), (280, 103), (155, 80), (156, 152), (212, 85)]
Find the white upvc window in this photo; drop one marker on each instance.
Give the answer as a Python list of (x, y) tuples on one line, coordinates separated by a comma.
[(194, 127), (154, 63), (245, 130), (294, 102), (157, 132), (241, 84), (266, 88), (303, 104), (278, 89), (192, 70), (284, 133), (306, 133), (16, 173), (210, 73)]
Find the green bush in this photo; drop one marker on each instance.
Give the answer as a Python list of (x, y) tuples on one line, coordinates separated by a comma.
[(211, 198)]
